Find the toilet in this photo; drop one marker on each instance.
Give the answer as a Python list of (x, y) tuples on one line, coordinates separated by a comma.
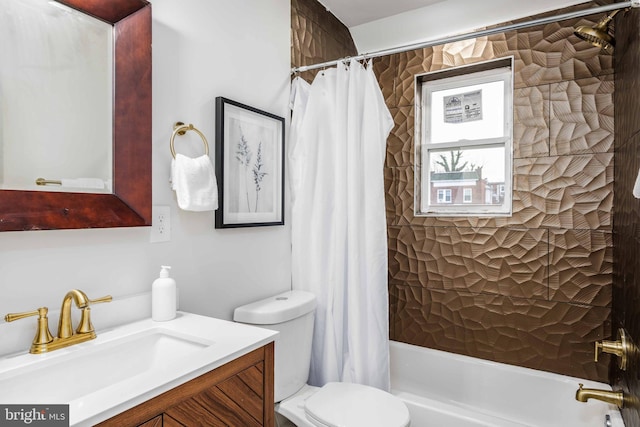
[(333, 405)]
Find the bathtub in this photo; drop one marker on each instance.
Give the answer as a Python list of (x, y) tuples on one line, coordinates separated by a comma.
[(448, 390)]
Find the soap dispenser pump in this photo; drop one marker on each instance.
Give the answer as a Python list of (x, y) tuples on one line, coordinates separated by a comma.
[(163, 297)]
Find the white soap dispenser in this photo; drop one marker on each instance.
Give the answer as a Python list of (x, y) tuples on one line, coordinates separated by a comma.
[(163, 297)]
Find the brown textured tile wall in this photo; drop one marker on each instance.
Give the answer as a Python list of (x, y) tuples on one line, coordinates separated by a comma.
[(626, 214), (533, 289), (317, 36), (535, 333)]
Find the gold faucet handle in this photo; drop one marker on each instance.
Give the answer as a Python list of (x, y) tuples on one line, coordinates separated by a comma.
[(10, 317), (43, 336), (107, 298), (85, 326), (604, 346), (623, 348)]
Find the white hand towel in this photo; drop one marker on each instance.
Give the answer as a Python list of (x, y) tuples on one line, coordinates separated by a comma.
[(636, 187), (95, 183), (194, 182)]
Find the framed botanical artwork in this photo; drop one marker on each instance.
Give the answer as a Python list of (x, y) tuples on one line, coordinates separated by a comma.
[(249, 166)]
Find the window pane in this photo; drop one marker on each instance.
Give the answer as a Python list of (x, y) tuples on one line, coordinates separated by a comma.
[(468, 195), (467, 112), (465, 176)]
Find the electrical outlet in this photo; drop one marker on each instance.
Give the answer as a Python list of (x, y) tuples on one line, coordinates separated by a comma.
[(160, 224)]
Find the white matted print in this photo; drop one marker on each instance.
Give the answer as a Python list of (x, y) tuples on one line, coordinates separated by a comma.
[(249, 166)]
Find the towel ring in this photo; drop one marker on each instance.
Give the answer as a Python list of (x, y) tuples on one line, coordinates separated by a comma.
[(180, 129)]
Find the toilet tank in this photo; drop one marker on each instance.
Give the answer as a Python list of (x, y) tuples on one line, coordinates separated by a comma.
[(291, 313)]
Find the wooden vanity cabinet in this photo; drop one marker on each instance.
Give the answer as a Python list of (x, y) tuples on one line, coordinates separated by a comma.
[(237, 394), (154, 422)]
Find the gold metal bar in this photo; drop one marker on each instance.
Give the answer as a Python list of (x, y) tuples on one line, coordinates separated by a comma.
[(107, 298), (42, 181), (470, 35), (614, 397), (59, 343), (17, 316)]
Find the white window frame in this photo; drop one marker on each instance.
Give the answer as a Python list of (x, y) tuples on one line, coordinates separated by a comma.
[(467, 192), (443, 194), (484, 72)]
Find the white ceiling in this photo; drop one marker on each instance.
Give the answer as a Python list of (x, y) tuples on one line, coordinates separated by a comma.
[(382, 24), (356, 12)]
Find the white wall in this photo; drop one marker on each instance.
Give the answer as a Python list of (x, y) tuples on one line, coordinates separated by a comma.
[(201, 49), (444, 19)]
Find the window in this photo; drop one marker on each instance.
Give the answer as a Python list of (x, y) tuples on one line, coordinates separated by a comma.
[(444, 195), (464, 129), (468, 195)]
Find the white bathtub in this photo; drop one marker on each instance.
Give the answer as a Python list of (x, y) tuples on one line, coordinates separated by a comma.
[(448, 390)]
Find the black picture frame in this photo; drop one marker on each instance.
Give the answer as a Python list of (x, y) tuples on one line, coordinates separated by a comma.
[(250, 156)]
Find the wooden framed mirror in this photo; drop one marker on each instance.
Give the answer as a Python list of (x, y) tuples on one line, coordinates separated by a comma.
[(129, 204)]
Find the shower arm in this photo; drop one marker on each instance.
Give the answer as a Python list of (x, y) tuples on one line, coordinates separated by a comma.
[(473, 34)]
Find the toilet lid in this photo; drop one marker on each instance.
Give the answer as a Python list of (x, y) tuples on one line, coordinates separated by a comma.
[(355, 405)]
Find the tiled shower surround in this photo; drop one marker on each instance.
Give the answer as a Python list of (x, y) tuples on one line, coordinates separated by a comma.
[(317, 36), (626, 214), (533, 289)]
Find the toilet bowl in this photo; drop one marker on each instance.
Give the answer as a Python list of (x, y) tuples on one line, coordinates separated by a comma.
[(332, 405)]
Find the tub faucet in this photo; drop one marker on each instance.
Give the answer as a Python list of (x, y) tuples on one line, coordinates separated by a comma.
[(614, 397)]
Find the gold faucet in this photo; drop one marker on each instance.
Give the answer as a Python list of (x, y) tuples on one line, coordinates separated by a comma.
[(614, 397), (44, 341), (65, 328)]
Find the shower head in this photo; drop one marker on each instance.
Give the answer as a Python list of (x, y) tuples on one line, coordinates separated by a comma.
[(598, 35)]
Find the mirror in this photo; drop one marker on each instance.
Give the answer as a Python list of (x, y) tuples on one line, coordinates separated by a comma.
[(55, 92), (129, 203)]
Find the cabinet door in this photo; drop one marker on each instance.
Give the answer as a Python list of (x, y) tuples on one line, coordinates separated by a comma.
[(161, 421), (167, 421), (154, 422), (237, 401)]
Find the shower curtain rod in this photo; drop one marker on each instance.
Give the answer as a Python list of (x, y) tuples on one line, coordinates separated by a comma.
[(473, 34)]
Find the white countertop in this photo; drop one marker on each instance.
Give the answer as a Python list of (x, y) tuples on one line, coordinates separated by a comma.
[(225, 341)]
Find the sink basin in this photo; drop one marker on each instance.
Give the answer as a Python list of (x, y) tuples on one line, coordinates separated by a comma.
[(126, 365), (100, 365)]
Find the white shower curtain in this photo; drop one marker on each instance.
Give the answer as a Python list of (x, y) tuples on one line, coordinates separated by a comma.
[(339, 243)]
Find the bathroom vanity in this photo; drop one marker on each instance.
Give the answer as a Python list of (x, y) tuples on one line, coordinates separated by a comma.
[(239, 393)]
